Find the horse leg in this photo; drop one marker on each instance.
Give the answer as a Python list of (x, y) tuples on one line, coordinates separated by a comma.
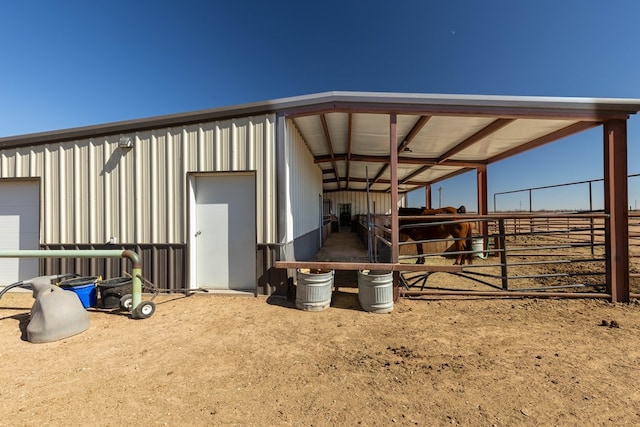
[(457, 245), (460, 258), (469, 244), (464, 246), (463, 243)]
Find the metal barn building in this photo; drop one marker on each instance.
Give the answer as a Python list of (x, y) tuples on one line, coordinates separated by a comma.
[(211, 199)]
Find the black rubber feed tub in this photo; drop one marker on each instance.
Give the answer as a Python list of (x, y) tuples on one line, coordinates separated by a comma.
[(111, 290)]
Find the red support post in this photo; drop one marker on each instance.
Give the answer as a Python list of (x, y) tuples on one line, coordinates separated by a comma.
[(393, 147), (482, 198), (395, 232), (615, 204)]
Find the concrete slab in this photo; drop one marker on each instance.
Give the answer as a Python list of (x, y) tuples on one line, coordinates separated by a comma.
[(342, 246)]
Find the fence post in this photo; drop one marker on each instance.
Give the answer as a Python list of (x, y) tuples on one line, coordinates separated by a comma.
[(591, 220), (503, 254)]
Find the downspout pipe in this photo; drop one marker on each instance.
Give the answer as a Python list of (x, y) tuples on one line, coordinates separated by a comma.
[(136, 282)]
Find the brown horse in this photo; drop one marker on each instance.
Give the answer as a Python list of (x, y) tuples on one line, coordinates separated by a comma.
[(425, 211), (460, 231)]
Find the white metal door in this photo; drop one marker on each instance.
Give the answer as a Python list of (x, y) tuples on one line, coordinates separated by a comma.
[(225, 232), (19, 228)]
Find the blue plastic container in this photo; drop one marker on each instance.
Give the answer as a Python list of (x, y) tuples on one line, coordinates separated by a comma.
[(85, 288), (87, 294)]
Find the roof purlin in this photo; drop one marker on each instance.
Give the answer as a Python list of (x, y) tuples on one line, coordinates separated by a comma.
[(349, 141), (401, 160), (327, 137), (417, 127), (553, 136), (478, 136)]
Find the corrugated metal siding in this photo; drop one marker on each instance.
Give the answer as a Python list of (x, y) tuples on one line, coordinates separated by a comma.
[(358, 201), (305, 181), (162, 265), (94, 190)]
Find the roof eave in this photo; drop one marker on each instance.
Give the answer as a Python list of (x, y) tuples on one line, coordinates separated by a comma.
[(593, 109)]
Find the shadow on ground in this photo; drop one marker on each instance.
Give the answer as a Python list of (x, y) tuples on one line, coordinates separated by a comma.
[(345, 300)]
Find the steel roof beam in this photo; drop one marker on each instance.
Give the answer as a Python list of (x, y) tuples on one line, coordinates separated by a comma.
[(381, 181), (553, 136), (417, 127), (422, 121), (327, 138), (476, 137), (349, 140), (401, 160)]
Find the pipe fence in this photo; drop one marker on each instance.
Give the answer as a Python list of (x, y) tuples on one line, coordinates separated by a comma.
[(514, 254), (531, 190)]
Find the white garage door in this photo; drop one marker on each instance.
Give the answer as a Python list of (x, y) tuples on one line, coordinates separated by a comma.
[(19, 228)]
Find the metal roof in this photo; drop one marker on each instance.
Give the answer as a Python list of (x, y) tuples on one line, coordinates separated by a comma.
[(438, 136)]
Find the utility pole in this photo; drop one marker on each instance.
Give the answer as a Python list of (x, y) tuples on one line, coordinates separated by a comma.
[(439, 197)]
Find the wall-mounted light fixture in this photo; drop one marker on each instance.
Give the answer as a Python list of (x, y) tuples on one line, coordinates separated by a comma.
[(125, 142)]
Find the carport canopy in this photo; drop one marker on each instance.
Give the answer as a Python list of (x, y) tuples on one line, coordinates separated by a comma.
[(437, 136), (415, 140)]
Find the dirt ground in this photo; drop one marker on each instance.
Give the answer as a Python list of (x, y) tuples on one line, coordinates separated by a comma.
[(223, 360)]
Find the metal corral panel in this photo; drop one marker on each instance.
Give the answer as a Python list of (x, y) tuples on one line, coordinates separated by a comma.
[(380, 203), (304, 202), (93, 189)]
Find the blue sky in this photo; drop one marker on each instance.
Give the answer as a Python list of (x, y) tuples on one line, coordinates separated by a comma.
[(76, 63)]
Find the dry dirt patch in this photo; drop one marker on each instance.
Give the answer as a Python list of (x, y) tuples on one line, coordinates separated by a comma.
[(219, 360)]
